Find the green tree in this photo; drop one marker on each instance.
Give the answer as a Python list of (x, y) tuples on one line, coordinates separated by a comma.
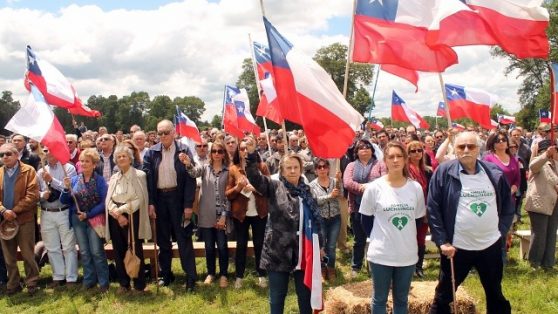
[(192, 106), (8, 107), (216, 121), (161, 107)]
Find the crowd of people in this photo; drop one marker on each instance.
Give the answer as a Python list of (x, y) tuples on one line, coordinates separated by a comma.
[(391, 188)]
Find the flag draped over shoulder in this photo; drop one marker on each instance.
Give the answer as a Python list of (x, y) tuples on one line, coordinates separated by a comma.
[(55, 87), (36, 120), (186, 127), (395, 32), (308, 96), (268, 106), (401, 112), (472, 103), (309, 256)]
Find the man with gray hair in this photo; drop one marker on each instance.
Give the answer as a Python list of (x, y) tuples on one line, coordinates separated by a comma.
[(470, 212), (72, 141), (139, 138), (19, 194)]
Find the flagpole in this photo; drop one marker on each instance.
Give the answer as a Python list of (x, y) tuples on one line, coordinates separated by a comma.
[(552, 100), (255, 68), (442, 85), (223, 112), (349, 53), (374, 89)]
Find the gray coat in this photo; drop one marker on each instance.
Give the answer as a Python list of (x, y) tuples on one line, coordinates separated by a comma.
[(280, 249)]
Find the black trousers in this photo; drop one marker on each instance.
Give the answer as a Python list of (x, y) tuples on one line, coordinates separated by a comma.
[(489, 266), (258, 232), (169, 220), (119, 238)]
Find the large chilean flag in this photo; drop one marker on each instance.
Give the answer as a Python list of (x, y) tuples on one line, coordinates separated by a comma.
[(470, 103), (519, 27), (401, 112), (36, 120), (268, 97), (395, 32), (308, 96)]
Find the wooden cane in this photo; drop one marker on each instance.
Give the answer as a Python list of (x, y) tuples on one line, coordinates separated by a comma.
[(453, 286), (154, 238)]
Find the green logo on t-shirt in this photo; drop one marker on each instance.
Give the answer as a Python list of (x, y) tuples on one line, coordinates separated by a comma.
[(400, 222), (478, 208)]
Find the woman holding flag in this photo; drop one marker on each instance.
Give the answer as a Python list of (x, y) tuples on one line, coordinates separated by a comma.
[(292, 234)]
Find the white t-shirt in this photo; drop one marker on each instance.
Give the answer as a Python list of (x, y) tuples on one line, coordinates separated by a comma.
[(393, 241), (476, 221)]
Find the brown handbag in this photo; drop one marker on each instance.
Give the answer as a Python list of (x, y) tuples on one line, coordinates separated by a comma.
[(132, 263)]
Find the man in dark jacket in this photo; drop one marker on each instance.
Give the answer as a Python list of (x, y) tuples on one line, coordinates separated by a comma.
[(171, 197), (25, 156), (470, 212)]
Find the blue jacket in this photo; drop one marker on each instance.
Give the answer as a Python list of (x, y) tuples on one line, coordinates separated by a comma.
[(443, 198), (102, 187), (185, 183)]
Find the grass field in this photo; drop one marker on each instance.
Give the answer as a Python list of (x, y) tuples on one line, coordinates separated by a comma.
[(528, 291)]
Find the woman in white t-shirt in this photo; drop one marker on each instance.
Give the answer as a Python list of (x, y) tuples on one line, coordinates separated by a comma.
[(395, 202)]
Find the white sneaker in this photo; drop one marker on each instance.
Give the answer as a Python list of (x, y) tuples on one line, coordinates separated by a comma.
[(238, 283), (354, 274), (209, 280), (262, 282)]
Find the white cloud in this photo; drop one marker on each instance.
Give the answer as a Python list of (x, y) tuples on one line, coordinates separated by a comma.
[(195, 47)]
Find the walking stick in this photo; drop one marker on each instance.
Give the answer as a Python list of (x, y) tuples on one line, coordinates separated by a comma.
[(154, 226), (453, 286)]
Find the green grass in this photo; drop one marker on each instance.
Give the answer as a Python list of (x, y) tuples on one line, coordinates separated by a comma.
[(528, 291)]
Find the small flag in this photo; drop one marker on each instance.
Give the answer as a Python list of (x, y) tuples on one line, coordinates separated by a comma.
[(544, 116), (504, 119), (441, 112), (186, 127), (401, 112)]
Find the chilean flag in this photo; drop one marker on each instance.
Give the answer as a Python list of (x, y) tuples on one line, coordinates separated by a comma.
[(503, 119), (268, 97), (36, 120), (519, 27), (395, 32), (237, 111), (309, 259), (376, 124), (401, 112), (544, 116), (186, 127), (470, 103), (554, 91), (457, 126), (441, 112), (308, 96), (410, 75), (54, 86)]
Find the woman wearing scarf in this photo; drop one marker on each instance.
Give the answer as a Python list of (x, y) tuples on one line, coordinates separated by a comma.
[(290, 205), (358, 173), (420, 172)]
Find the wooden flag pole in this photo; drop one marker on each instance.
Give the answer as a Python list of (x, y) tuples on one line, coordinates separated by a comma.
[(255, 68), (552, 100), (374, 89), (442, 85)]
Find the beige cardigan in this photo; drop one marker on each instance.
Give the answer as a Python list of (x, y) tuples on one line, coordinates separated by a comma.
[(541, 193), (140, 186)]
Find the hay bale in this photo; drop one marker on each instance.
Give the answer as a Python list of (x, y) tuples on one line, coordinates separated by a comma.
[(355, 298)]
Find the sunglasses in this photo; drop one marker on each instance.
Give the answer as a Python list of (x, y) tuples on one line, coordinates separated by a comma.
[(320, 167), (502, 140), (413, 151), (230, 143), (469, 146), (161, 133), (103, 139), (45, 151), (243, 149), (361, 147), (218, 151), (439, 137), (7, 154), (70, 142), (200, 146)]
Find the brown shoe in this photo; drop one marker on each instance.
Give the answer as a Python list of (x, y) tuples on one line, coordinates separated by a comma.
[(122, 290), (32, 290), (223, 282), (14, 290), (55, 284)]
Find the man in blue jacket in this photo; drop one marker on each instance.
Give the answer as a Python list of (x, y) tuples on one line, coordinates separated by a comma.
[(171, 197), (470, 210)]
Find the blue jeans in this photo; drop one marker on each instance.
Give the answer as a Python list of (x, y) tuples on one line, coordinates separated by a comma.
[(278, 287), (382, 278), (212, 236), (92, 253), (330, 232), (360, 241)]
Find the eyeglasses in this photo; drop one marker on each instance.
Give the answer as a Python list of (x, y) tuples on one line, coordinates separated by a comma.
[(502, 140), (439, 136), (45, 151), (104, 139), (231, 142), (69, 142), (217, 151), (243, 149), (469, 146), (200, 146), (413, 151), (166, 132), (320, 167), (361, 147), (7, 154)]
